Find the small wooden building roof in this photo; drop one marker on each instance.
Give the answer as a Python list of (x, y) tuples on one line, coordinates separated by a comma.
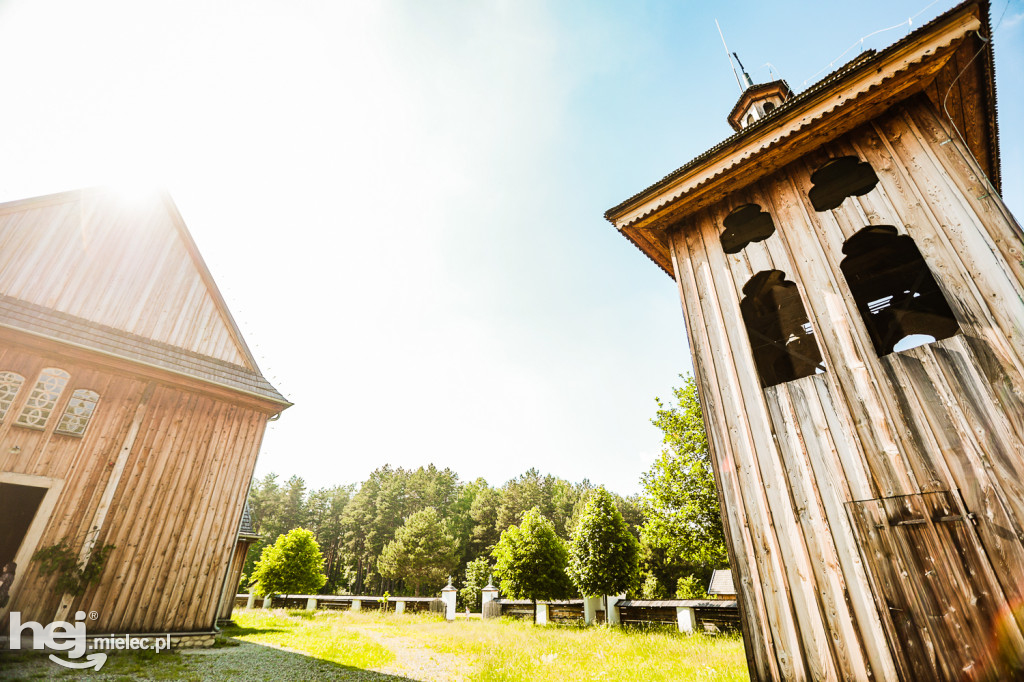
[(124, 280), (758, 91), (934, 60), (245, 528), (721, 583)]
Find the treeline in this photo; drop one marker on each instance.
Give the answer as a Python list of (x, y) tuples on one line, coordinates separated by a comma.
[(675, 519)]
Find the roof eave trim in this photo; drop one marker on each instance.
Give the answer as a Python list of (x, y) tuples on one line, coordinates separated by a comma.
[(668, 191)]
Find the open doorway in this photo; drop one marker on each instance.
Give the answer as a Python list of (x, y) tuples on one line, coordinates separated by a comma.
[(26, 505)]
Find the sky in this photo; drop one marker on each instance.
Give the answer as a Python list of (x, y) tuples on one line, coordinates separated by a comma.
[(402, 201)]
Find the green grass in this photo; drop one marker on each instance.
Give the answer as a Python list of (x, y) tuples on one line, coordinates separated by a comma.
[(513, 651), (335, 645), (321, 634)]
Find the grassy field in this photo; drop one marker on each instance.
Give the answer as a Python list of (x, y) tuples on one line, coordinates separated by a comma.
[(280, 645)]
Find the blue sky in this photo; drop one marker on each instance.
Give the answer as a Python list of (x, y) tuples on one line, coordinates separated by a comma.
[(403, 202)]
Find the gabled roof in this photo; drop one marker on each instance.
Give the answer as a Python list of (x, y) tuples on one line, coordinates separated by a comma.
[(88, 269), (945, 51)]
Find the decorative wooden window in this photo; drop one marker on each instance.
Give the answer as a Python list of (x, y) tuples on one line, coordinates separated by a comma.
[(780, 333), (746, 224), (844, 177), (43, 398), (78, 412), (10, 384), (897, 295)]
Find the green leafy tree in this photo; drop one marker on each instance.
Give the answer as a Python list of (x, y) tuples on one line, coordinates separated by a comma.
[(683, 525), (530, 560), (422, 553), (604, 556), (477, 572), (292, 565)]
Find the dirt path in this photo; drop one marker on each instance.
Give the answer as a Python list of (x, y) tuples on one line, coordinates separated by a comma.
[(415, 661)]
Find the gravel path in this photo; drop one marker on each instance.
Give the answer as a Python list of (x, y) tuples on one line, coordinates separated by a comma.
[(417, 662)]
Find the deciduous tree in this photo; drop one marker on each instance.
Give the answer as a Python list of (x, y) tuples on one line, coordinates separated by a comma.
[(604, 556), (292, 565), (680, 502), (530, 560)]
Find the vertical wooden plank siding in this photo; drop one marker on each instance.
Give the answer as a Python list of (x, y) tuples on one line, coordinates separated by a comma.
[(816, 474), (173, 515), (123, 253)]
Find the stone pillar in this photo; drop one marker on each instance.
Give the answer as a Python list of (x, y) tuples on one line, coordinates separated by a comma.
[(311, 604), (541, 616), (266, 601), (611, 615), (591, 605), (448, 595), (357, 604), (489, 593), (400, 607), (686, 618), (251, 601)]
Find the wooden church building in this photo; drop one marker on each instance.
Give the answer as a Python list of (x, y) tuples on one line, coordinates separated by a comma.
[(131, 413), (853, 288)]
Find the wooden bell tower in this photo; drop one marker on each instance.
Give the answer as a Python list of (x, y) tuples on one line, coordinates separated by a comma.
[(853, 288)]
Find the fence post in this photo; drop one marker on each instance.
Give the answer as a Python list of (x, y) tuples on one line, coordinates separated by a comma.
[(685, 618), (448, 595), (399, 607), (611, 615), (356, 604), (541, 615), (488, 594), (251, 601), (590, 609), (311, 604)]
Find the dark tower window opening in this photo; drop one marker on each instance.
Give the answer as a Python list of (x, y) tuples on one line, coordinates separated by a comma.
[(746, 224), (768, 106), (838, 179), (897, 295), (780, 332)]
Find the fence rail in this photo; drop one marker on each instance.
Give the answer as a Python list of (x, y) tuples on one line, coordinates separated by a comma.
[(688, 614)]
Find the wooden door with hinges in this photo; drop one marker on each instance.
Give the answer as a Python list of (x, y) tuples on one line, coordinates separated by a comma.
[(948, 617)]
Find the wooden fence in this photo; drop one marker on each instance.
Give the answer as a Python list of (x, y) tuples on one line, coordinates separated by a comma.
[(709, 615), (347, 602)]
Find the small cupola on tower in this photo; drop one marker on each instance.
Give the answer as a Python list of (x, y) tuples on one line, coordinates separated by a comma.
[(757, 101)]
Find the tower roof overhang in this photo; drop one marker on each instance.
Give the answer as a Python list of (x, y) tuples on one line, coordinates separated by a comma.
[(953, 47)]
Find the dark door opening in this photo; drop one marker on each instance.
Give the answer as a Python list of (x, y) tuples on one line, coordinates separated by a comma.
[(18, 506)]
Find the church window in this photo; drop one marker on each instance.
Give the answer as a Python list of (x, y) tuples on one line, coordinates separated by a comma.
[(43, 398), (78, 412), (838, 179), (746, 224), (10, 383), (897, 295), (779, 330)]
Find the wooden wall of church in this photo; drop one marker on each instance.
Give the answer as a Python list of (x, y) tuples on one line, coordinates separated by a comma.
[(177, 466), (875, 509)]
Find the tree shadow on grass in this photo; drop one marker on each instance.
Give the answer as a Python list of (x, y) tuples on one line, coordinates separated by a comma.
[(247, 661)]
